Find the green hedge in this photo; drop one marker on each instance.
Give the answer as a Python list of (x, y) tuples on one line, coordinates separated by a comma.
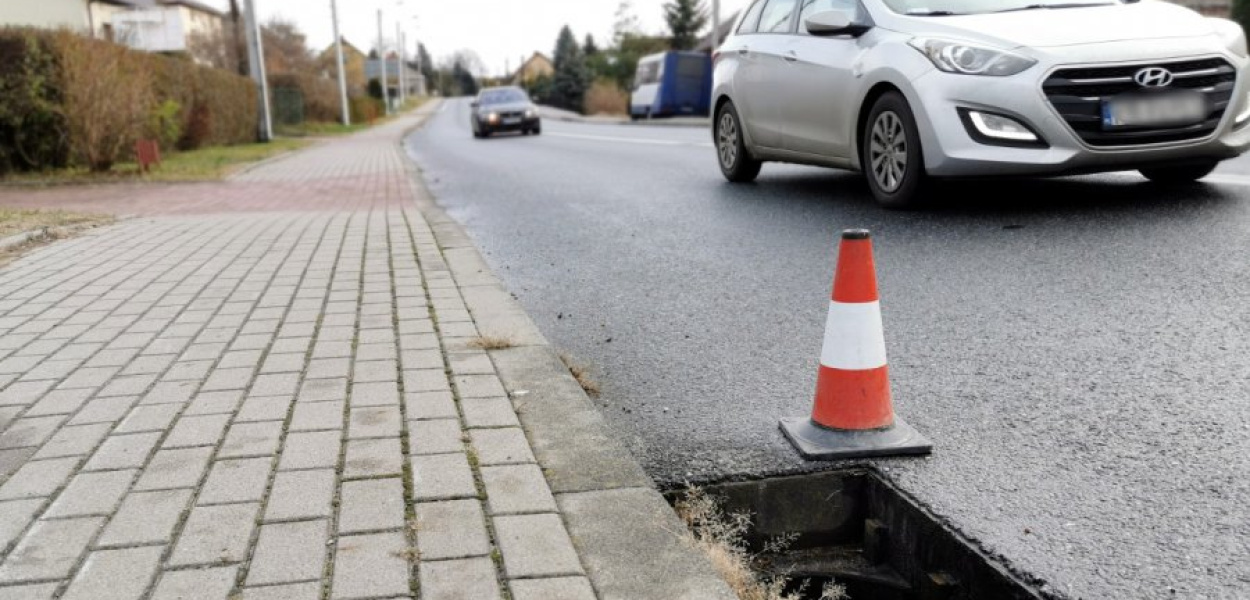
[(32, 130), (190, 105)]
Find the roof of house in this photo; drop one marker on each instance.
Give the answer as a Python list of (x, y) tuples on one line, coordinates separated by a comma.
[(537, 56), (348, 48)]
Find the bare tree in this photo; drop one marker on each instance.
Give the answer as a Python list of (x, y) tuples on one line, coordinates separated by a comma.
[(469, 61), (286, 49), (217, 49), (237, 39)]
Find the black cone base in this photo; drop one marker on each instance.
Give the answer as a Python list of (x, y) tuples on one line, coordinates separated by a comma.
[(818, 443)]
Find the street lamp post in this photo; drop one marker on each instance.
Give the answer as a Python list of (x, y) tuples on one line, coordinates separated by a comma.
[(399, 60), (386, 94), (715, 25)]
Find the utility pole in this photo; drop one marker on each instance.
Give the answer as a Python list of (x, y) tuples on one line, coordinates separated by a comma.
[(399, 59), (256, 63), (715, 25), (338, 51), (386, 95)]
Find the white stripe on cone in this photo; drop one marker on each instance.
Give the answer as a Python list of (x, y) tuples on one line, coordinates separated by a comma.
[(854, 338)]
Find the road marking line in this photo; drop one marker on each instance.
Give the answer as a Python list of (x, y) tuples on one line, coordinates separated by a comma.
[(645, 141)]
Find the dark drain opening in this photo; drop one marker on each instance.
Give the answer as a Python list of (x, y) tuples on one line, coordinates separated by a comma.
[(858, 529)]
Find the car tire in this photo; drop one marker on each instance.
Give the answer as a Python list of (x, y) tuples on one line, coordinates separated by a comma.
[(891, 156), (735, 161), (1180, 174), (538, 130)]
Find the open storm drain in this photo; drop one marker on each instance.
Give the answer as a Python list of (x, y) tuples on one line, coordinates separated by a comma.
[(857, 529)]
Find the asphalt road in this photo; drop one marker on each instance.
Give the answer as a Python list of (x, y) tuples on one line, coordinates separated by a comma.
[(1077, 349)]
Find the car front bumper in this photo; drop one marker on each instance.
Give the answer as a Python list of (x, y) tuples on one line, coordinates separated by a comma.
[(523, 124), (951, 150)]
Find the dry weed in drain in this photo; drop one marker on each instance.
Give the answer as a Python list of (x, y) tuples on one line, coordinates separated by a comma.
[(491, 342), (722, 536), (581, 373)]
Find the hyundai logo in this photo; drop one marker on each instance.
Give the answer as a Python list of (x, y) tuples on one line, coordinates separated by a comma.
[(1155, 77)]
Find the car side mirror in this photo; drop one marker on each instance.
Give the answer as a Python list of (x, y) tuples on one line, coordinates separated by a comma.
[(829, 23), (473, 104)]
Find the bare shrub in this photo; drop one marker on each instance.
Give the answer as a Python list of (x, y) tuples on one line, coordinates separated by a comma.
[(218, 48), (107, 98), (365, 109), (605, 98), (722, 536)]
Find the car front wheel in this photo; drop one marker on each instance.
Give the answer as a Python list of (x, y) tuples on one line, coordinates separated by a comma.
[(891, 156), (735, 161), (1180, 174)]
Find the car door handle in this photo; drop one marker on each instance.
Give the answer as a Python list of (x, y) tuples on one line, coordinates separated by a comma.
[(743, 51), (791, 56)]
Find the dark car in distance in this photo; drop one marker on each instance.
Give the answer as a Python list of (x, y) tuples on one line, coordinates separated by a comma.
[(504, 109)]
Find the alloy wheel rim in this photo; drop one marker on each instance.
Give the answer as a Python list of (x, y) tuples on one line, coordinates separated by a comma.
[(887, 151), (727, 141)]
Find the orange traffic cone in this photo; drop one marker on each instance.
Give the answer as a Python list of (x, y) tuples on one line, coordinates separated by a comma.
[(853, 416)]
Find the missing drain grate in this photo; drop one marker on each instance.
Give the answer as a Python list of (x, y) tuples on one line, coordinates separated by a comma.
[(859, 530)]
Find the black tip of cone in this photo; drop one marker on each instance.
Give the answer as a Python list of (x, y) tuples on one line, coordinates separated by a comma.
[(855, 234)]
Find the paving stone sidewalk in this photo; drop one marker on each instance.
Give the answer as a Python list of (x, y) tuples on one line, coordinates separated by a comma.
[(263, 404)]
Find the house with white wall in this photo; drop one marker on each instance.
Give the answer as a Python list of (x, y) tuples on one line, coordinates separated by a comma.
[(164, 25), (151, 25), (46, 14)]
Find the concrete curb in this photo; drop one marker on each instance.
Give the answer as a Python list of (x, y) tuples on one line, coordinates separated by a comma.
[(631, 544), (18, 239)]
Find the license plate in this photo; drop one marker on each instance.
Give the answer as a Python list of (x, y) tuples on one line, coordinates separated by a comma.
[(1154, 110), (512, 121)]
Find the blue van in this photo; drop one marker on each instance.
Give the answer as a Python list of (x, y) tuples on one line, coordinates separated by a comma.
[(672, 84)]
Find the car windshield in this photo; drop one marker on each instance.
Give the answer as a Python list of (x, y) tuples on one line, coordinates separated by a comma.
[(648, 73), (503, 97), (975, 7)]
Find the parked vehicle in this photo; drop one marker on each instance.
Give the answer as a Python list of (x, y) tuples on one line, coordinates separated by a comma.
[(911, 90), (504, 109), (672, 84)]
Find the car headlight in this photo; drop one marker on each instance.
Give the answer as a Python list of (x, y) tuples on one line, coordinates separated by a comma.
[(530, 113), (492, 117), (967, 58), (1232, 34)]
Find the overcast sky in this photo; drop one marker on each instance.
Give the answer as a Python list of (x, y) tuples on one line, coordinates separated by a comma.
[(500, 31)]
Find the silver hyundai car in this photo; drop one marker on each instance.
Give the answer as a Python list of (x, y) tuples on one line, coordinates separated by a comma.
[(911, 90)]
